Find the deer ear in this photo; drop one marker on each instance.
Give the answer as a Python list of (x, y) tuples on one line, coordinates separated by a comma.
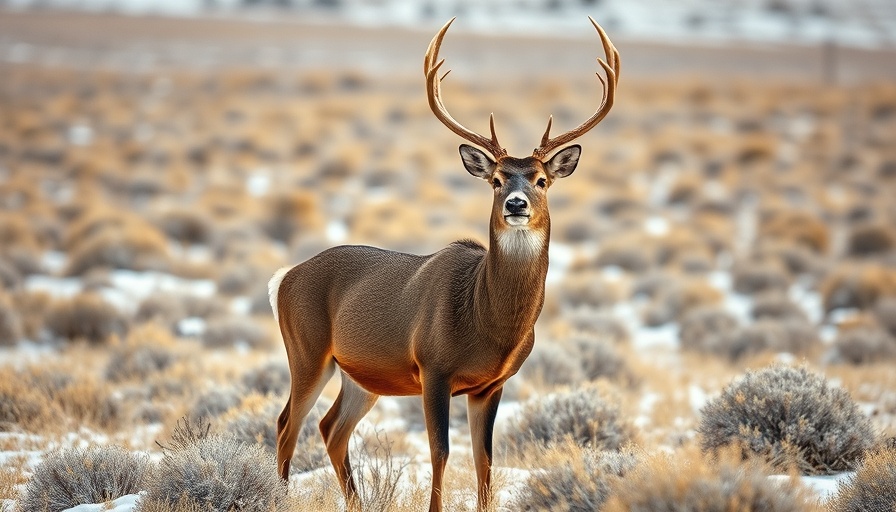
[(476, 162), (564, 162)]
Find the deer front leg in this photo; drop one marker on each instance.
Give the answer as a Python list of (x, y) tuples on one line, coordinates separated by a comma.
[(436, 404), (481, 412)]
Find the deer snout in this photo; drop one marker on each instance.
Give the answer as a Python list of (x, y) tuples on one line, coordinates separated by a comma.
[(516, 210), (516, 205)]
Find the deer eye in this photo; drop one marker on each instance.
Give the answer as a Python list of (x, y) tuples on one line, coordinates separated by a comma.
[(541, 183), (496, 183)]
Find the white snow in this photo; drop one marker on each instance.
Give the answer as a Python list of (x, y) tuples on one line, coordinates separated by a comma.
[(126, 503), (824, 487)]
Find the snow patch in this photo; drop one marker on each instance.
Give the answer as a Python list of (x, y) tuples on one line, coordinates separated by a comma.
[(125, 503)]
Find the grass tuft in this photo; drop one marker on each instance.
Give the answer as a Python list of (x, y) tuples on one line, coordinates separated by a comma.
[(691, 483), (871, 488)]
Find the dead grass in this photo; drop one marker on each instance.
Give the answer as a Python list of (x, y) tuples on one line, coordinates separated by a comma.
[(148, 349), (87, 317), (11, 330), (797, 227), (13, 474), (568, 477), (857, 286), (135, 248), (22, 406), (685, 480), (872, 487)]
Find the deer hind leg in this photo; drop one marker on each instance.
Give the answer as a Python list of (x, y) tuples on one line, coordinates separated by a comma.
[(307, 383), (337, 426)]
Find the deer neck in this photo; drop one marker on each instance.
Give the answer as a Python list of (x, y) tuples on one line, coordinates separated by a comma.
[(510, 285)]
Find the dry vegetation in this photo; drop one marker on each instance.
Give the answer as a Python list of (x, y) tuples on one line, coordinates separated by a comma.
[(710, 229)]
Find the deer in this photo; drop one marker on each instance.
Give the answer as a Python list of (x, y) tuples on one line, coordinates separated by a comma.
[(456, 322)]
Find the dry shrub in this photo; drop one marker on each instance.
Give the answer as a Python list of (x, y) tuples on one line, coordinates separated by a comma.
[(552, 364), (148, 349), (70, 477), (586, 290), (688, 482), (33, 307), (791, 417), (186, 225), (885, 313), (216, 472), (863, 344), (706, 329), (871, 488), (288, 213), (589, 415), (631, 252), (256, 422), (599, 359), (133, 247), (378, 476), (870, 239), (11, 329), (857, 286), (242, 278), (10, 276), (571, 478), (676, 300), (214, 403), (792, 337), (794, 258), (223, 332), (86, 316), (796, 227), (16, 233), (598, 325), (755, 277), (272, 378), (777, 306)]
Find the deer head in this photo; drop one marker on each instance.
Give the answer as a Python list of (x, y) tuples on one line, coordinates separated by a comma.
[(520, 219)]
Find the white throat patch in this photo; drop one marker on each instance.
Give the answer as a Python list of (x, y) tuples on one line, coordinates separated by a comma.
[(521, 243)]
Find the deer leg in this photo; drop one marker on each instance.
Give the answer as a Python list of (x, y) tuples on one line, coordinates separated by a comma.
[(436, 405), (307, 383), (337, 426), (481, 412)]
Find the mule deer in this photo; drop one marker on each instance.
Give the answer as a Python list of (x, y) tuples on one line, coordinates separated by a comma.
[(457, 322)]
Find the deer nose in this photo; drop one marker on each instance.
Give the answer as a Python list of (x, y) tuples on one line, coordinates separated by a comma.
[(516, 205)]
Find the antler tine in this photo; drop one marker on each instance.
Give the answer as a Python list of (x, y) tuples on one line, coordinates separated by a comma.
[(431, 66), (611, 68)]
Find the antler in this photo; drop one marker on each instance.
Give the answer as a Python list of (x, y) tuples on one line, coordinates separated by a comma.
[(433, 92), (611, 67)]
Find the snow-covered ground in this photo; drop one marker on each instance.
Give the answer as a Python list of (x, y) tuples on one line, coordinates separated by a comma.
[(862, 23)]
